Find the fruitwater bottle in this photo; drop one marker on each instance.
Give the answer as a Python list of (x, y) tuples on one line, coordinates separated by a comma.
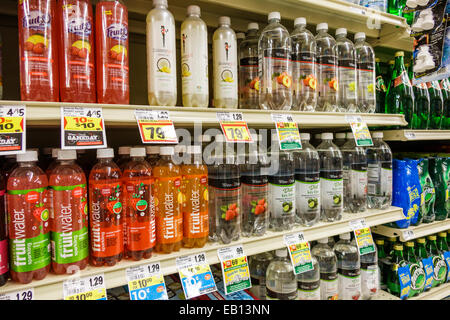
[(365, 64), (249, 84), (348, 85)]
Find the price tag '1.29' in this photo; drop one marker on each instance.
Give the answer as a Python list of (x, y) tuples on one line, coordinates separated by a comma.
[(236, 274), (12, 129), (27, 294), (155, 126), (146, 282), (234, 127), (87, 288), (287, 131), (299, 252), (363, 236), (360, 131)]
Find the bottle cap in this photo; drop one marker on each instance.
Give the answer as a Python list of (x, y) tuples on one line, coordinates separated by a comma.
[(322, 26), (193, 10), (47, 151), (299, 21), (399, 54), (391, 62), (377, 60), (379, 241), (152, 149), (345, 236), (377, 134), (340, 135), (137, 152), (105, 153), (360, 35), (240, 35), (432, 238), (160, 3), (324, 240), (305, 136), (341, 31), (194, 149), (27, 156), (55, 152), (398, 247), (350, 135), (124, 150), (327, 136), (224, 20), (253, 26), (281, 253), (421, 240), (392, 239), (67, 155), (167, 151), (409, 244), (274, 15), (442, 234)]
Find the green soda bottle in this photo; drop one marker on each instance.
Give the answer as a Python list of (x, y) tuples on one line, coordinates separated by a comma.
[(421, 102), (409, 16), (418, 276), (388, 75), (437, 174), (393, 283), (446, 169), (421, 253), (442, 241), (439, 265), (445, 90), (400, 96), (394, 7), (436, 104), (380, 88), (428, 196)]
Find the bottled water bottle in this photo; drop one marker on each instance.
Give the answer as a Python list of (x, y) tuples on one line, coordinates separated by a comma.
[(348, 266), (340, 139), (379, 173), (328, 269), (369, 275), (303, 67), (275, 71), (346, 56), (331, 184), (327, 76), (308, 283), (281, 282), (355, 176), (365, 63), (249, 84), (258, 268), (307, 183)]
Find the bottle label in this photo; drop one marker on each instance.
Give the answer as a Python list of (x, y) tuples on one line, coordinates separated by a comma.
[(282, 196), (273, 295), (331, 186), (303, 71), (225, 69), (307, 189), (194, 61), (308, 290), (254, 202), (226, 193), (327, 74), (358, 181), (418, 277), (277, 77), (386, 181), (106, 214), (427, 265), (369, 279), (249, 83), (373, 177), (446, 256), (366, 80), (402, 78), (380, 86), (3, 257), (161, 51), (195, 205), (347, 79), (440, 269), (329, 286), (349, 284)]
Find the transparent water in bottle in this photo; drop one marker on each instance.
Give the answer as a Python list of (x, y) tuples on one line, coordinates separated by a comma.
[(331, 179), (348, 266), (275, 67), (258, 265), (308, 283), (370, 282), (348, 86), (379, 173), (304, 78), (328, 269), (307, 183), (327, 73), (355, 176), (281, 282), (249, 84), (365, 63)]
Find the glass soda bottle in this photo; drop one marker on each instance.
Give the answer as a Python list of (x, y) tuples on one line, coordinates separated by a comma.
[(439, 264), (303, 67), (258, 265), (421, 106), (421, 253), (275, 67), (4, 265), (381, 259), (442, 241), (328, 269), (106, 214), (438, 177), (348, 266), (307, 183), (436, 104), (28, 217), (225, 66), (418, 276), (249, 84), (365, 64), (428, 196), (69, 215), (308, 283), (445, 90), (161, 56), (331, 179), (327, 71), (380, 88), (347, 75), (395, 7), (393, 281), (112, 50), (281, 281), (194, 60)]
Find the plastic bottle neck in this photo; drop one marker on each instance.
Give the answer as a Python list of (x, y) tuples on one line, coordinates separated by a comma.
[(224, 25), (300, 27), (166, 157), (194, 15), (252, 33), (27, 164), (160, 6), (274, 20), (137, 158), (66, 162), (105, 160)]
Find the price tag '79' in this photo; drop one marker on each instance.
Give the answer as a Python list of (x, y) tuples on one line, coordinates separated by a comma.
[(155, 126), (235, 271), (299, 252), (234, 127), (12, 129)]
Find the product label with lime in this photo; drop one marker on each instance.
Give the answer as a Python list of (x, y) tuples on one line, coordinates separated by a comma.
[(282, 196), (307, 190), (331, 185)]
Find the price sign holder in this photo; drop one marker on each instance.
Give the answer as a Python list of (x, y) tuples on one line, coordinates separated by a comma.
[(235, 271), (82, 128), (287, 131), (146, 282), (12, 129), (155, 126), (234, 127), (360, 131), (363, 236), (86, 288), (195, 274), (299, 251), (27, 294), (408, 235)]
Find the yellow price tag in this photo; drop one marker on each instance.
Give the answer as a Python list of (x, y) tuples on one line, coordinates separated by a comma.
[(11, 124), (98, 294), (236, 131), (82, 123), (157, 131), (146, 282)]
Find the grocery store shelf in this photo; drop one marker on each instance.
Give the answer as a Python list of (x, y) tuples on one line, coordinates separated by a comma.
[(51, 287), (419, 231), (48, 114), (415, 135), (436, 293), (384, 295)]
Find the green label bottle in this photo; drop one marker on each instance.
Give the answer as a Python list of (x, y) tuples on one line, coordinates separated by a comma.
[(393, 284), (438, 176), (380, 88), (436, 104), (416, 271), (439, 265), (445, 87), (425, 262), (428, 196)]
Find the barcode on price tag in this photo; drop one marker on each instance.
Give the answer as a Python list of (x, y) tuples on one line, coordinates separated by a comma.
[(146, 282), (86, 288), (299, 251), (235, 269), (155, 126), (12, 129), (27, 294), (408, 235)]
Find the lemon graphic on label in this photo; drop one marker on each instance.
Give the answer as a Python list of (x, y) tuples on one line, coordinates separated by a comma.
[(227, 76), (206, 195), (185, 70), (38, 38), (163, 65), (352, 86), (120, 49), (181, 197), (81, 44), (370, 88)]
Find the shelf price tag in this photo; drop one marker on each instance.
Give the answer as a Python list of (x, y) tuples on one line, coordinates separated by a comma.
[(287, 131), (363, 236), (410, 135), (155, 126), (12, 129), (234, 127), (408, 235), (27, 294), (146, 282), (299, 251), (86, 288), (235, 270), (360, 131), (82, 128), (195, 274)]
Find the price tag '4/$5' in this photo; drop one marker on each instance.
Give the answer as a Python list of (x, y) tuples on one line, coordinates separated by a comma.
[(287, 131), (235, 270), (363, 236), (146, 282), (155, 126), (299, 251), (86, 288), (360, 131), (234, 127), (12, 129)]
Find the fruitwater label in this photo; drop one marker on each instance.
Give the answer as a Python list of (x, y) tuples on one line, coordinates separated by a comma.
[(87, 288), (225, 69), (287, 132), (155, 126), (146, 282), (12, 129), (299, 251), (194, 205), (235, 269)]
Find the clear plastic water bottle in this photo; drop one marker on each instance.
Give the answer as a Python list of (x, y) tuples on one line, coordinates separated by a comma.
[(281, 282), (348, 266), (328, 269), (308, 283), (348, 86), (370, 282), (307, 183), (258, 265), (327, 73), (355, 176), (340, 139), (365, 64), (275, 67), (379, 173), (303, 67), (249, 84), (331, 183)]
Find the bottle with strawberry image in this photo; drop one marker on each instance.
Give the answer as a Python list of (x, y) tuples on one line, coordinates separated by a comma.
[(169, 199), (4, 266), (76, 51), (111, 20), (106, 210), (28, 220), (139, 206), (69, 215), (38, 50)]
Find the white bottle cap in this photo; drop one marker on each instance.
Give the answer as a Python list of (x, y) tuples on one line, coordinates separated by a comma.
[(47, 151), (322, 26), (167, 151), (27, 156), (55, 152), (305, 136), (298, 21), (340, 31), (224, 20), (340, 135), (377, 134), (137, 152), (274, 15), (105, 153), (240, 35), (345, 236), (327, 136), (193, 10), (324, 240), (252, 26), (360, 35), (67, 155), (281, 253), (350, 135), (194, 149), (152, 149), (160, 3), (124, 150)]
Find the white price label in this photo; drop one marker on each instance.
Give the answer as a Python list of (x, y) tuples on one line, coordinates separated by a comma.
[(12, 129), (294, 238), (146, 282), (86, 288), (230, 116), (357, 224), (229, 253), (408, 235), (146, 114), (27, 294), (282, 117)]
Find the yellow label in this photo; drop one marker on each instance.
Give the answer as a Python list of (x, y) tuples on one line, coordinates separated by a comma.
[(235, 270), (198, 269), (157, 131), (146, 282), (236, 131), (82, 124), (11, 124), (97, 294)]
